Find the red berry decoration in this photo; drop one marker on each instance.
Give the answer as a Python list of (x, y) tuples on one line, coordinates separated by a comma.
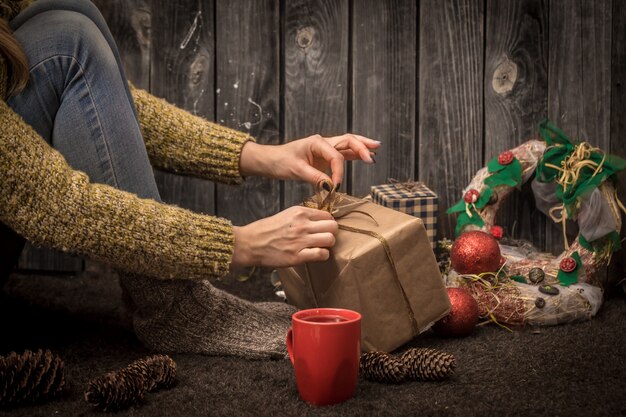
[(497, 232), (471, 196), (568, 264), (475, 252), (505, 158), (502, 262), (463, 316)]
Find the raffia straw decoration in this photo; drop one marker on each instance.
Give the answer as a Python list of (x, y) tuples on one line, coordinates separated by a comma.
[(500, 302)]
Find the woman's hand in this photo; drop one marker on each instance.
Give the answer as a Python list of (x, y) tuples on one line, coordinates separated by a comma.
[(307, 159), (291, 237)]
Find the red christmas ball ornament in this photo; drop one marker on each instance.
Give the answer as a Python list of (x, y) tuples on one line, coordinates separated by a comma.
[(463, 315), (505, 158), (475, 252), (497, 232), (471, 196), (568, 264)]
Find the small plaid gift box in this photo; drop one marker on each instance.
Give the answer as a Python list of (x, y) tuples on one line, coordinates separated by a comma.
[(413, 198)]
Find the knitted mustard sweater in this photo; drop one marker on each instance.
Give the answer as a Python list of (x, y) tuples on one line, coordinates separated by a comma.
[(50, 204)]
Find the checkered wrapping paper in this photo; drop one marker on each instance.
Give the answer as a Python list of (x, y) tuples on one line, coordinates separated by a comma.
[(415, 199)]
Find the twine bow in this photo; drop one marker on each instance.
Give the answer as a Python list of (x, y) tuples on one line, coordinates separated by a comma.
[(329, 203)]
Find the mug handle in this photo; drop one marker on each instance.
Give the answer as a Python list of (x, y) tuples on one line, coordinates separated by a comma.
[(290, 344)]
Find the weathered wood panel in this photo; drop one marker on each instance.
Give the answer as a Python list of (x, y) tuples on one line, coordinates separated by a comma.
[(483, 73), (516, 97), (617, 272), (182, 72), (384, 80), (130, 23), (450, 99), (315, 43), (248, 74), (579, 77)]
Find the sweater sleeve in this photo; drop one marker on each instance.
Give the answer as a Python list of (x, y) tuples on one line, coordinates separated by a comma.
[(47, 202), (180, 142)]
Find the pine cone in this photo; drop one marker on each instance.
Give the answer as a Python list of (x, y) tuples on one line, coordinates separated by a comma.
[(423, 364), (120, 389), (381, 367), (30, 377)]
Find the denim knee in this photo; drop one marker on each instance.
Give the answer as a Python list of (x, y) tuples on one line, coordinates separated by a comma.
[(65, 34), (76, 100), (84, 7)]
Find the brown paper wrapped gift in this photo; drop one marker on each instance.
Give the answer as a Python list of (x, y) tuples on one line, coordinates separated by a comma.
[(382, 266)]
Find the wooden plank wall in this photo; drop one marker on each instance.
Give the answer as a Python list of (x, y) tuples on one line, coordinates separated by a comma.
[(444, 84)]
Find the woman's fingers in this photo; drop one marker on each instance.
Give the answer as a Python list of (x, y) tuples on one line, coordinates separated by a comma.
[(316, 234), (293, 236), (322, 226), (315, 214), (323, 149), (319, 240), (349, 155), (358, 145), (313, 255)]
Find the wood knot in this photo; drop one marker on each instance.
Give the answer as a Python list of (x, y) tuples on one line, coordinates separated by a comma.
[(304, 37), (141, 23), (504, 77)]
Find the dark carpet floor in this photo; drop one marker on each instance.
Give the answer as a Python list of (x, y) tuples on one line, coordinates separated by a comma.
[(568, 370)]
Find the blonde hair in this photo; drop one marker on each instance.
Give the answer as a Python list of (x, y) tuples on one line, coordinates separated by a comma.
[(15, 59)]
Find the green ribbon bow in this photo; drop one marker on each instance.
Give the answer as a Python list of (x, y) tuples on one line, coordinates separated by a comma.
[(577, 169)]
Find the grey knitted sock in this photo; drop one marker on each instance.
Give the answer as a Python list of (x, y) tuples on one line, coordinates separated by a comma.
[(195, 317)]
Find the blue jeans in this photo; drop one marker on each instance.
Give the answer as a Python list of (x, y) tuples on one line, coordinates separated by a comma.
[(77, 96)]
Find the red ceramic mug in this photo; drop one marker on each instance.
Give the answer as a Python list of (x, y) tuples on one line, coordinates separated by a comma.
[(324, 345)]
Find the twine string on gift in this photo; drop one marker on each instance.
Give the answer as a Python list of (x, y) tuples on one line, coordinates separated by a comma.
[(408, 185), (329, 203), (385, 245)]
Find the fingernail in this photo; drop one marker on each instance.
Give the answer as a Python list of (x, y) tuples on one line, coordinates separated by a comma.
[(326, 186), (337, 186), (373, 159)]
